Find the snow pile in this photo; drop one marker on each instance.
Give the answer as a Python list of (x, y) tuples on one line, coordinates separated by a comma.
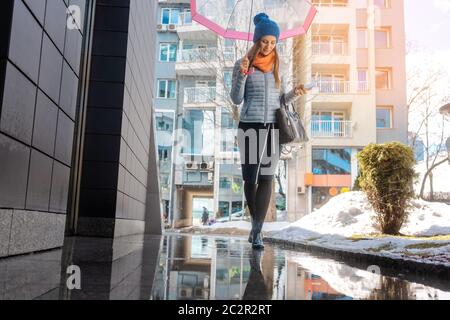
[(427, 219), (350, 213)]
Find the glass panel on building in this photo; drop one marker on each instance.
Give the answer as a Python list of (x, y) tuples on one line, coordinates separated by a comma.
[(162, 85), (384, 117), (382, 79), (231, 193), (382, 38), (331, 161), (165, 16), (198, 126)]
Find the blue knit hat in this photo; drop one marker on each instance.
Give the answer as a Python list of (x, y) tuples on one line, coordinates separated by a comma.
[(265, 27)]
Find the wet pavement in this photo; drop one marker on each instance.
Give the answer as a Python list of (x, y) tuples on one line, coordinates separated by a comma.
[(198, 267)]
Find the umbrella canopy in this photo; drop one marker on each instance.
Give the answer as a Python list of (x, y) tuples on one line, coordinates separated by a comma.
[(233, 19)]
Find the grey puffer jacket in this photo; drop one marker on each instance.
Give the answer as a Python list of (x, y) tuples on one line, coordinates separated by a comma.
[(261, 97)]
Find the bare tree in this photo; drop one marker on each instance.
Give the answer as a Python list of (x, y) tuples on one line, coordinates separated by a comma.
[(424, 99)]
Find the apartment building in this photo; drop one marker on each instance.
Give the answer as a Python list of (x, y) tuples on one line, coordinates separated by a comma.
[(354, 50), (357, 56)]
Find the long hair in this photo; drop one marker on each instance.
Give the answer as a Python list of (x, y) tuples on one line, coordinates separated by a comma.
[(253, 52)]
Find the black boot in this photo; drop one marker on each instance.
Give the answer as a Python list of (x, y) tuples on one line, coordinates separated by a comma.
[(254, 227), (257, 240)]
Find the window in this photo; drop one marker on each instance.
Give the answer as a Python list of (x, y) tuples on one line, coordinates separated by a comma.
[(382, 3), (331, 161), (167, 52), (170, 16), (362, 38), (228, 80), (166, 89), (384, 117), (383, 79), (199, 131), (228, 128), (187, 17), (382, 40), (163, 153), (363, 82), (362, 75), (225, 182)]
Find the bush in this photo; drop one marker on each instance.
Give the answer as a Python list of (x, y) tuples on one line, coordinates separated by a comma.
[(356, 185), (387, 176)]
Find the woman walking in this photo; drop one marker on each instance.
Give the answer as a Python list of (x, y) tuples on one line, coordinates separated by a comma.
[(257, 82)]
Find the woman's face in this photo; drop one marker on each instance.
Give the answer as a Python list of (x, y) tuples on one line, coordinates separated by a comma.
[(268, 43)]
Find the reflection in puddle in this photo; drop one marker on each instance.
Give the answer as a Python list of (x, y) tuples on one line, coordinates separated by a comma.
[(208, 268)]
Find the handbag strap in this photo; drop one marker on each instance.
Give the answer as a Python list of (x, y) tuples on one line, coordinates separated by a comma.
[(288, 107)]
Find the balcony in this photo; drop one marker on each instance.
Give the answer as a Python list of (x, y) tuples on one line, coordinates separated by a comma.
[(189, 30), (199, 95), (329, 48), (205, 55), (204, 61), (331, 129), (342, 87)]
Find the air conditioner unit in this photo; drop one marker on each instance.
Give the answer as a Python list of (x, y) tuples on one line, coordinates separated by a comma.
[(204, 166), (191, 165), (172, 27), (161, 27), (185, 293), (301, 190)]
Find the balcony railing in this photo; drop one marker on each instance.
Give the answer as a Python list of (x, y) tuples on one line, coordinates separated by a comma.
[(342, 86), (205, 55), (334, 86), (331, 129), (200, 95), (336, 48), (363, 86)]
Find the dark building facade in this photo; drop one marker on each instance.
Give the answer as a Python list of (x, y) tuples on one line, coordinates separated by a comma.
[(76, 148)]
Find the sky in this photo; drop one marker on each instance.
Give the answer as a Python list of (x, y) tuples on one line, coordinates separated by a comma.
[(428, 23), (427, 26)]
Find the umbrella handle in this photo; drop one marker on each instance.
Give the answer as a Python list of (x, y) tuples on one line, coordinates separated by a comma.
[(250, 25)]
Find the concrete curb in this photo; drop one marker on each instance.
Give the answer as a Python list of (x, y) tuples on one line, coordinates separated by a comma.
[(390, 266)]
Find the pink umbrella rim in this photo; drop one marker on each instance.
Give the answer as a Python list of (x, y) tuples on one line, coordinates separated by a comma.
[(240, 35)]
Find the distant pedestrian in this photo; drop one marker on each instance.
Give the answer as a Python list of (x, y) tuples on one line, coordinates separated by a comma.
[(205, 216)]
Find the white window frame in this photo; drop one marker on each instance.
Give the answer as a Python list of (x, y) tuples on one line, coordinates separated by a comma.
[(168, 44), (391, 119), (180, 10), (389, 78), (388, 37), (167, 89)]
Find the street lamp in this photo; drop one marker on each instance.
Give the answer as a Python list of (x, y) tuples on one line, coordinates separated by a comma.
[(445, 111)]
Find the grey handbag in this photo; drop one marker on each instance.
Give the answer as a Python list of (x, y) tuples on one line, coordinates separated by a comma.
[(290, 125)]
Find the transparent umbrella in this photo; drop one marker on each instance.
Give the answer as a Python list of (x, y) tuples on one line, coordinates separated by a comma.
[(233, 19)]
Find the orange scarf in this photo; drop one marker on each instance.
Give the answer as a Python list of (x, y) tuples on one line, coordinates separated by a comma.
[(264, 63)]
